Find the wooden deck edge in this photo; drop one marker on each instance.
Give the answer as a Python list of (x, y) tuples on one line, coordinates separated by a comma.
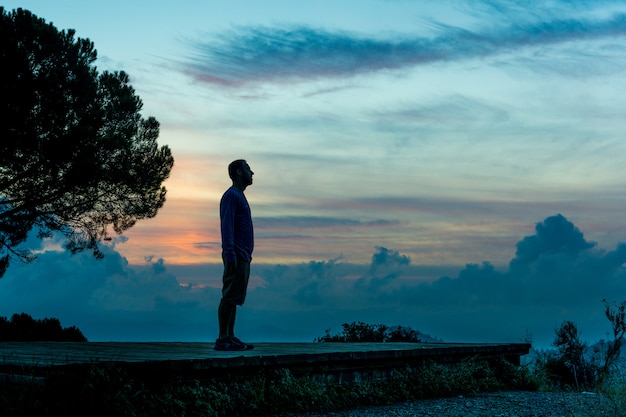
[(333, 367)]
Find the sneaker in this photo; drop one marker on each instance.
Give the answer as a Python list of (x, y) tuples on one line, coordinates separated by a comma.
[(228, 344), (248, 345)]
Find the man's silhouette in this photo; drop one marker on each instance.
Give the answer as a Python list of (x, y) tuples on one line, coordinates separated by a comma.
[(237, 246)]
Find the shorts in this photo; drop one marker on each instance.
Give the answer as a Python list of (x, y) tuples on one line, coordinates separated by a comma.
[(235, 282)]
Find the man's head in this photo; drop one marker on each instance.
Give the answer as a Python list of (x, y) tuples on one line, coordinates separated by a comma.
[(240, 172)]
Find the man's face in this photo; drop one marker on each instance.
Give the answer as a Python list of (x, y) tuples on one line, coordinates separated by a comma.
[(246, 174)]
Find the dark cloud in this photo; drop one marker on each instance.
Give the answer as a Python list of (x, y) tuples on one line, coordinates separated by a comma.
[(556, 236), (387, 265), (386, 257), (252, 55), (307, 222), (555, 275), (207, 245), (107, 299), (272, 232)]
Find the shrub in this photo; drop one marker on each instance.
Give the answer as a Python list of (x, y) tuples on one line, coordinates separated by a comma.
[(363, 332), (574, 365)]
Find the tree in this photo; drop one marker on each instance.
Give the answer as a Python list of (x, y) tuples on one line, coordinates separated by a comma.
[(571, 365), (616, 314), (23, 328), (76, 157)]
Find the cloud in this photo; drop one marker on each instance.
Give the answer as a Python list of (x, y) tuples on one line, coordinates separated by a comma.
[(386, 266), (453, 110), (555, 237), (556, 274), (287, 54), (208, 245), (107, 299), (386, 257), (315, 222)]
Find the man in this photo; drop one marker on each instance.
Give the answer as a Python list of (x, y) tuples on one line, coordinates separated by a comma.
[(237, 246)]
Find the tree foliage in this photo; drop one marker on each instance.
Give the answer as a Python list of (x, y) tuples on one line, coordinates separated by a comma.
[(616, 314), (574, 365), (76, 157), (23, 328), (363, 332)]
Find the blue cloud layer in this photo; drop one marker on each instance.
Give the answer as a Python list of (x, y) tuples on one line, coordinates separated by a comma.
[(251, 55), (556, 275)]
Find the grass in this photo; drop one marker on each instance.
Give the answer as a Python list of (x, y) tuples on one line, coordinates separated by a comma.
[(613, 392)]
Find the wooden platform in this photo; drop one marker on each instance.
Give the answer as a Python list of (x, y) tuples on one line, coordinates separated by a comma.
[(337, 362)]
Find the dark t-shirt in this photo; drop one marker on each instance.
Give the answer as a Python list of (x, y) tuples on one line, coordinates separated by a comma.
[(236, 226)]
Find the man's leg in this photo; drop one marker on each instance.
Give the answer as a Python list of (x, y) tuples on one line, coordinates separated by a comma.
[(231, 321), (235, 280), (226, 313)]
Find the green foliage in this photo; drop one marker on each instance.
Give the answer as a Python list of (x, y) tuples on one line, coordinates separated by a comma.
[(573, 366), (363, 332), (570, 365), (613, 390), (76, 157), (616, 314), (23, 328)]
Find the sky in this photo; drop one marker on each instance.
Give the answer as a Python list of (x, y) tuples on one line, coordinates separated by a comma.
[(454, 167)]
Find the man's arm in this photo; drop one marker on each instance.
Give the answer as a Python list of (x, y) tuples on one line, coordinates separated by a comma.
[(227, 218)]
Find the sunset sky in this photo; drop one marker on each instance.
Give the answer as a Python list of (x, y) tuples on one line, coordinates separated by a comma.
[(456, 167)]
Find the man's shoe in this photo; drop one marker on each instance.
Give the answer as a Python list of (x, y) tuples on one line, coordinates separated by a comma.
[(220, 344), (248, 345), (229, 344)]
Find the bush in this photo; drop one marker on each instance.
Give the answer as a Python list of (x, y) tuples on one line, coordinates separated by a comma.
[(574, 365), (363, 332)]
